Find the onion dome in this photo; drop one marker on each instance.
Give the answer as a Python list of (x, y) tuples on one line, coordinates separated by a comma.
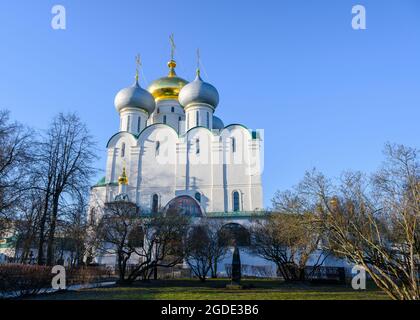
[(167, 88), (218, 123), (199, 91), (134, 97), (122, 179)]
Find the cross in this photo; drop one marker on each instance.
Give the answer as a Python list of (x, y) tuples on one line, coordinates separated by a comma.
[(172, 41), (198, 59), (138, 66)]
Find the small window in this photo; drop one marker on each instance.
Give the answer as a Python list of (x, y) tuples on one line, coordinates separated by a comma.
[(179, 124), (236, 201), (123, 150), (197, 146), (128, 123), (197, 118), (155, 203), (158, 110), (172, 109), (198, 197), (138, 124), (157, 147), (208, 120), (233, 145), (164, 119)]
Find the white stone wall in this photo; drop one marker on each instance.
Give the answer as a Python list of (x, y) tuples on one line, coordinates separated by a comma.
[(214, 164)]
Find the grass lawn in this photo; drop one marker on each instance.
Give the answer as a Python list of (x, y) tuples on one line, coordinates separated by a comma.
[(215, 290)]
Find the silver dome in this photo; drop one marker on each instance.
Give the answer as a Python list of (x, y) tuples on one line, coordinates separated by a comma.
[(199, 91), (134, 97), (218, 123)]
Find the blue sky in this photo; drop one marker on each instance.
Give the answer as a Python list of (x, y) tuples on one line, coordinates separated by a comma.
[(327, 96)]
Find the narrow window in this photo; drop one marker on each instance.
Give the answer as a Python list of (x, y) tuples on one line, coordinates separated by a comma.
[(123, 150), (198, 197), (233, 145), (208, 120), (236, 201), (155, 203), (158, 111), (138, 124), (157, 147), (179, 124), (197, 119), (172, 109), (128, 123), (164, 119), (197, 146)]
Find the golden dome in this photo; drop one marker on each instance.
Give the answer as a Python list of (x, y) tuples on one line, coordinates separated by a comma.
[(167, 88), (123, 178)]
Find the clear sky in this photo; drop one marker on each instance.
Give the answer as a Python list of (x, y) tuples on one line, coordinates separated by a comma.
[(326, 95)]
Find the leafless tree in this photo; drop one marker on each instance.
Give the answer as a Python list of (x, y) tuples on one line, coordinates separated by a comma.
[(374, 222), (64, 168), (15, 160), (141, 243), (288, 240), (204, 249)]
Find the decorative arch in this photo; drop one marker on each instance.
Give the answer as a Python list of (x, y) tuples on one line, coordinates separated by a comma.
[(184, 205), (232, 234)]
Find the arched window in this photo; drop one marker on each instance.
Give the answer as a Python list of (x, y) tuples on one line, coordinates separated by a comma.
[(197, 146), (164, 119), (172, 109), (155, 203), (123, 150), (236, 201), (138, 124), (185, 205), (233, 145), (208, 120), (157, 147), (128, 123), (197, 118), (198, 197)]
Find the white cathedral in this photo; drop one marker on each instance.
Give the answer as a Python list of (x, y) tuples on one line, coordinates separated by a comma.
[(172, 151)]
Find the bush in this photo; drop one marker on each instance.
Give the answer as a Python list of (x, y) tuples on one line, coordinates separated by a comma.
[(18, 280), (85, 275)]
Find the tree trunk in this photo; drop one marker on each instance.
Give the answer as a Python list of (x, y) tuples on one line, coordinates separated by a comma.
[(51, 235)]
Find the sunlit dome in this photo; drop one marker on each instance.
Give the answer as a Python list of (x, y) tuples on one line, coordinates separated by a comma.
[(167, 88), (199, 91), (134, 97)]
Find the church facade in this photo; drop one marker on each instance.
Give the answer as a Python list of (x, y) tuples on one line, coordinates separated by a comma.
[(173, 151)]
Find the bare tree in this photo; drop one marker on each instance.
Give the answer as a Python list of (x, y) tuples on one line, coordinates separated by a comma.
[(141, 243), (288, 240), (374, 222), (204, 248), (15, 150), (198, 252), (64, 168)]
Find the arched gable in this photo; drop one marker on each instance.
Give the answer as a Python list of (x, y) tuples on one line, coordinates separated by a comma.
[(129, 137)]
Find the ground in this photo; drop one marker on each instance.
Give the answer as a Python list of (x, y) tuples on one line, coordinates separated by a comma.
[(215, 290)]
